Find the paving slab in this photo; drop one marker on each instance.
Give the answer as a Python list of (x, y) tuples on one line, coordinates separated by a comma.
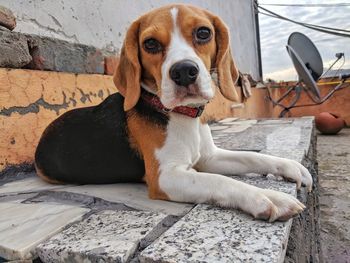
[(211, 234), (275, 121), (31, 184), (228, 120), (24, 226), (236, 128), (109, 236), (132, 195), (291, 139), (244, 122), (218, 128), (16, 198)]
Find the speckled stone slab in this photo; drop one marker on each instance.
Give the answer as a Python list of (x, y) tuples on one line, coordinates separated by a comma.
[(211, 234), (109, 236), (24, 226), (288, 138)]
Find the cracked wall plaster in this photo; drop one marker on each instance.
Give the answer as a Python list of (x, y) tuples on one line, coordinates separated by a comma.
[(103, 23), (30, 100)]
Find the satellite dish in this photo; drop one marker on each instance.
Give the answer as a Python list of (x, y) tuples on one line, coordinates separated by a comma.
[(304, 73), (308, 63), (308, 53)]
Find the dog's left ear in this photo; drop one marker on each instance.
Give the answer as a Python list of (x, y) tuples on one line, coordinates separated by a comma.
[(128, 72), (225, 66)]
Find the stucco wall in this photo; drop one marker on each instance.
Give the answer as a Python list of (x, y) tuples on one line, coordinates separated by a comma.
[(102, 23)]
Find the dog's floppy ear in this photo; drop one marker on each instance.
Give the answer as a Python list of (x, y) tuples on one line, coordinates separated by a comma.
[(128, 72), (225, 66)]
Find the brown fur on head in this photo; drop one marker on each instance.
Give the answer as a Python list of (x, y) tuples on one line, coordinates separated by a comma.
[(137, 65)]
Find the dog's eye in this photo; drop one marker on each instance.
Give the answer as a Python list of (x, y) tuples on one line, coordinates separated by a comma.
[(203, 35), (152, 46)]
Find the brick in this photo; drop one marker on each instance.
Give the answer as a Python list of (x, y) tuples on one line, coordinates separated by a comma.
[(14, 52), (111, 63), (7, 18), (62, 56)]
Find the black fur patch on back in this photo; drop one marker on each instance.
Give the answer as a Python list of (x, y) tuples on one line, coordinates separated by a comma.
[(91, 146)]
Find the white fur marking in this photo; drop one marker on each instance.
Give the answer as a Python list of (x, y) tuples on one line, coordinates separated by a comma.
[(174, 11), (189, 144), (179, 50)]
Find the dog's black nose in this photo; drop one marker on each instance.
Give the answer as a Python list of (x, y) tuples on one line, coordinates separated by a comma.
[(184, 72)]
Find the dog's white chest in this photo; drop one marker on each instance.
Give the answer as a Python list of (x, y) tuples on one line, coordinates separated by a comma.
[(182, 143)]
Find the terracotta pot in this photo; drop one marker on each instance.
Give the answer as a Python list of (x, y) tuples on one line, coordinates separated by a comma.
[(329, 123)]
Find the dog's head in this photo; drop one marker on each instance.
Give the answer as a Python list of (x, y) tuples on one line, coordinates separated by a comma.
[(173, 52)]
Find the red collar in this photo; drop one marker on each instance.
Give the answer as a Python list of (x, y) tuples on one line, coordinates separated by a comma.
[(155, 102)]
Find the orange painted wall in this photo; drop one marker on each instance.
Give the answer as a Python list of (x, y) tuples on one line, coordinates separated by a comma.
[(257, 106), (338, 104), (30, 100)]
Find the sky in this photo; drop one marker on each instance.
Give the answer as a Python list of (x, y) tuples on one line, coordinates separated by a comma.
[(274, 34)]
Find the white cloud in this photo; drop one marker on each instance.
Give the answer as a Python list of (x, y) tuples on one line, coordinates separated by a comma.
[(274, 34), (282, 75), (289, 74)]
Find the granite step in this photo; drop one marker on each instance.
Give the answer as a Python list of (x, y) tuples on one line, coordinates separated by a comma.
[(118, 223), (106, 236)]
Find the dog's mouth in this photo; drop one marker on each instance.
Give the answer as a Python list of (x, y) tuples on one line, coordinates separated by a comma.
[(189, 96)]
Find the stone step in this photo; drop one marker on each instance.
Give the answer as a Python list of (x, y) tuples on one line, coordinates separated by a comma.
[(107, 236), (118, 223), (24, 226), (211, 234)]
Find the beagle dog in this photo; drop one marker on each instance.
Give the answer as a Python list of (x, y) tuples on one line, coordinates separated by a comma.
[(152, 130)]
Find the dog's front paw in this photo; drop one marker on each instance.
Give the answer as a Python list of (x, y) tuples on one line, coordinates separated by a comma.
[(273, 205), (294, 171)]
